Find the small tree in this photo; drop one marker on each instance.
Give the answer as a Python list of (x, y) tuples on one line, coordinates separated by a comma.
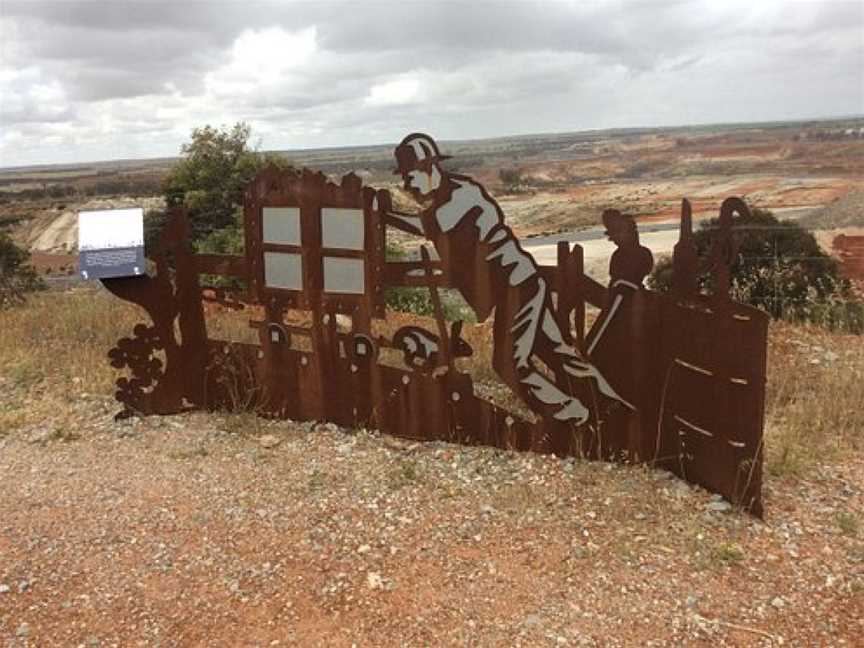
[(17, 277), (210, 180), (780, 268), (510, 176)]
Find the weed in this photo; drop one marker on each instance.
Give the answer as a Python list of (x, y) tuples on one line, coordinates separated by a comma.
[(518, 498), (404, 474), (25, 374), (242, 422), (812, 412), (189, 453), (848, 523), (727, 553), (317, 480)]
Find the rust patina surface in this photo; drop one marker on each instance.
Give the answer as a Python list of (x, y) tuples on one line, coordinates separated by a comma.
[(674, 379)]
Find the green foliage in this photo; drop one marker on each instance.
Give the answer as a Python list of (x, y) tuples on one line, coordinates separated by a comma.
[(227, 240), (510, 176), (17, 277), (210, 180), (780, 269), (419, 300), (409, 300), (727, 553), (848, 523)]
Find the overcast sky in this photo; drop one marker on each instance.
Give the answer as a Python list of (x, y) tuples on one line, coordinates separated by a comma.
[(102, 80)]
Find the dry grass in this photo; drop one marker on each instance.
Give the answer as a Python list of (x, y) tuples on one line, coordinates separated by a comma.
[(813, 403), (53, 355), (54, 351)]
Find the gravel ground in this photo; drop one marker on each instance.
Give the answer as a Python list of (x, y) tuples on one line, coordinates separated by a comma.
[(230, 531)]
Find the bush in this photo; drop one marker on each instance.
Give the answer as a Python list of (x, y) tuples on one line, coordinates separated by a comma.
[(17, 277), (419, 300), (510, 177), (409, 300), (780, 269), (211, 178)]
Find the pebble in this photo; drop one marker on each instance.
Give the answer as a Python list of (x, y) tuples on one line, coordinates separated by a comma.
[(778, 602), (269, 441), (374, 580), (721, 506), (4, 589), (23, 631), (41, 435), (531, 620)]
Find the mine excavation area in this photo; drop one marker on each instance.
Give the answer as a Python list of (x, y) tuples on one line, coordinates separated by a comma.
[(546, 185), (213, 505)]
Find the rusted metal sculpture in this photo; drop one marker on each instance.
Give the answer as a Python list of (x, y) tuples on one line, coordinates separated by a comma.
[(677, 380)]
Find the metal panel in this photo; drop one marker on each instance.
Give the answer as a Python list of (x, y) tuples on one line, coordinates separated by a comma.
[(675, 380), (344, 276), (342, 228), (283, 270), (281, 225)]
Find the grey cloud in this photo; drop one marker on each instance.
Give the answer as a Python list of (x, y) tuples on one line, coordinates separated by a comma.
[(482, 68)]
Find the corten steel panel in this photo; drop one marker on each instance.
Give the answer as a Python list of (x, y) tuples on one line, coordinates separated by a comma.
[(677, 380), (314, 195), (174, 381)]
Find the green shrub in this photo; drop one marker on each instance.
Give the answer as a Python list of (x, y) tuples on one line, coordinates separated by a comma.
[(17, 277), (510, 177), (409, 300), (780, 269), (211, 178)]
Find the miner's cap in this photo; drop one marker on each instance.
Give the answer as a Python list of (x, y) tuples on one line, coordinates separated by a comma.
[(416, 150)]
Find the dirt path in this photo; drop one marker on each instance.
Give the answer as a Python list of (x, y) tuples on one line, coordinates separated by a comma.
[(180, 532)]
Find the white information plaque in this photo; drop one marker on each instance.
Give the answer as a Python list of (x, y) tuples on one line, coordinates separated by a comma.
[(111, 243)]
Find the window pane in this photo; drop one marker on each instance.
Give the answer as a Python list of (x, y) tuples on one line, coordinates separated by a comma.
[(342, 228), (283, 270), (282, 225), (344, 276)]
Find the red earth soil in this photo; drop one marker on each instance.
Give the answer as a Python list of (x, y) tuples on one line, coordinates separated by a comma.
[(850, 251)]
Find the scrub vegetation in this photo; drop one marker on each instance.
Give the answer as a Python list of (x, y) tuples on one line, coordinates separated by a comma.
[(54, 349)]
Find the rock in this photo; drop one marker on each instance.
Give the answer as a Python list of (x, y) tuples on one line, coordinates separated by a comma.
[(362, 549), (719, 506), (41, 435), (23, 631), (269, 441), (4, 589), (374, 580), (487, 510), (778, 602), (531, 621)]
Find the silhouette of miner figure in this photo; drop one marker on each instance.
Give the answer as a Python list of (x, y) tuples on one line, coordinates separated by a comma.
[(488, 266)]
